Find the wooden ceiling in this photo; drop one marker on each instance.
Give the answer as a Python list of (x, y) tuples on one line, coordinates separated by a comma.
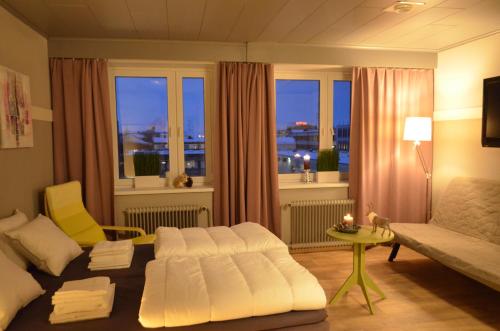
[(437, 25)]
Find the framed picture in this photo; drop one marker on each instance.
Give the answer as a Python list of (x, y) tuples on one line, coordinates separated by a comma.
[(16, 123)]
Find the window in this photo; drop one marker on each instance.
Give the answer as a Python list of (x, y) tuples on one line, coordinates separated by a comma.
[(297, 123), (142, 121), (312, 114), (160, 112), (342, 121)]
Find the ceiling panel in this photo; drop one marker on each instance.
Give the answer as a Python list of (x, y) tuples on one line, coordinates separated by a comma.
[(347, 24), (322, 18), (220, 18), (383, 22), (413, 23), (438, 24), (74, 20), (185, 18), (256, 16), (149, 17), (292, 14), (114, 16)]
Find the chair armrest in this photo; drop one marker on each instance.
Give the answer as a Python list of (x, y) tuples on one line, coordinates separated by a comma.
[(124, 228)]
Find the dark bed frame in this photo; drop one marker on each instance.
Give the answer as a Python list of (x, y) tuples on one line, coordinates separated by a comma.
[(128, 294)]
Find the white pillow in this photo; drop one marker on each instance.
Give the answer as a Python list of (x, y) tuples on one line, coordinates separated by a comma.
[(45, 245), (8, 224), (17, 289)]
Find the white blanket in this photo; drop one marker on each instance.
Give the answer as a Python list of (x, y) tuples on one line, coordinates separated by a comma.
[(183, 291), (218, 240)]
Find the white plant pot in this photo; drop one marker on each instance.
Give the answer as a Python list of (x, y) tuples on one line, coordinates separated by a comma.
[(147, 181), (327, 176)]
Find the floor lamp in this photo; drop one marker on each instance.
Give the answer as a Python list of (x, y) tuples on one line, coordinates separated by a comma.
[(418, 129)]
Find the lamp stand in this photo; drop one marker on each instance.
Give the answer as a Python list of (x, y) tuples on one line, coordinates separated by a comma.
[(427, 181)]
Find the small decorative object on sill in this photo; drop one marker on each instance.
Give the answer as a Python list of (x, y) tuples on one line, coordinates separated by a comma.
[(328, 166), (183, 180), (146, 169), (307, 169), (347, 228), (377, 221)]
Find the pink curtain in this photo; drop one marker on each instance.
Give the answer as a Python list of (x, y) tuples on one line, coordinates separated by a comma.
[(246, 169), (384, 169), (82, 131)]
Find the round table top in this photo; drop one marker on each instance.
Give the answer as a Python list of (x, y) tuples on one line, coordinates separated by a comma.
[(363, 236)]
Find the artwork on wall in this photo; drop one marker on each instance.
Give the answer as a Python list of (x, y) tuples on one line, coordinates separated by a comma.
[(16, 124)]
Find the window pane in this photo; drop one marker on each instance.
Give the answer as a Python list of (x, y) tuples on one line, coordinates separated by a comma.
[(194, 126), (342, 121), (142, 120), (297, 122)]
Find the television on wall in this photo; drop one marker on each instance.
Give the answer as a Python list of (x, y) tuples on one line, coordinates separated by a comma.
[(491, 112)]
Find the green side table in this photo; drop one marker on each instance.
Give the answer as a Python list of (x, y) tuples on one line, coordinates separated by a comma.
[(359, 276)]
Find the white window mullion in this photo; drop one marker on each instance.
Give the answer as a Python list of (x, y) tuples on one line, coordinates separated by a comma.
[(172, 127), (179, 124)]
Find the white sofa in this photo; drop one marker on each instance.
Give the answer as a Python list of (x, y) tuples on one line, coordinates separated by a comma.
[(463, 234)]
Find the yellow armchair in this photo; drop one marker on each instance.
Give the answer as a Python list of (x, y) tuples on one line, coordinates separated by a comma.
[(64, 205)]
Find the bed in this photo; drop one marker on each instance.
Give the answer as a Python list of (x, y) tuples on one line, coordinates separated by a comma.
[(217, 240), (129, 289)]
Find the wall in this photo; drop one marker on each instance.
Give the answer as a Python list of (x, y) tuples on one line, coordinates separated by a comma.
[(256, 52), (25, 172), (458, 110)]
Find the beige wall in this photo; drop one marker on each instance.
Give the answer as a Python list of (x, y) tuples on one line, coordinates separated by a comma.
[(25, 172), (258, 52), (458, 105)]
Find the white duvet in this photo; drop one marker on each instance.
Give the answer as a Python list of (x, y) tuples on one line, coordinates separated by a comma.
[(218, 240), (182, 291)]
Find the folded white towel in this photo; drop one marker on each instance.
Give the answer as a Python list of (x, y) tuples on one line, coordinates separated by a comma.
[(56, 318), (90, 300), (83, 288), (121, 258), (80, 306), (97, 268), (111, 247)]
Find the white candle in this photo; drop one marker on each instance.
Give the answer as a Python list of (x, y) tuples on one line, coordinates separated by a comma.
[(307, 162), (348, 220)]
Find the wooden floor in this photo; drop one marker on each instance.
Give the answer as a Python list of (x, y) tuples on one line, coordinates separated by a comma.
[(421, 293)]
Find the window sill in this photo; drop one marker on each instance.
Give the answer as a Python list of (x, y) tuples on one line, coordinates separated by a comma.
[(162, 190), (301, 185)]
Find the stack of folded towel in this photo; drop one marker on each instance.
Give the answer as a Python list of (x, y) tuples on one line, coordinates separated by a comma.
[(111, 255), (85, 299)]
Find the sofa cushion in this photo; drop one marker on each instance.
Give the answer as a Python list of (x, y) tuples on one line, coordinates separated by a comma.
[(471, 206), (471, 256)]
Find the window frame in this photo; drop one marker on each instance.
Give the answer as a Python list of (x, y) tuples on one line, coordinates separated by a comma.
[(326, 77), (174, 72)]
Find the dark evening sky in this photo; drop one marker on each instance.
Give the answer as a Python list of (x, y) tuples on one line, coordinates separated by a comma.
[(142, 103)]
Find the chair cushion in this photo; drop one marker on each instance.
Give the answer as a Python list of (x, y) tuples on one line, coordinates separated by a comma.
[(17, 289), (471, 256), (7, 224), (45, 245), (471, 206)]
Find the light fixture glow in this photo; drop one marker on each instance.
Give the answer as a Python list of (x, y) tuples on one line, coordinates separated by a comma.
[(418, 129)]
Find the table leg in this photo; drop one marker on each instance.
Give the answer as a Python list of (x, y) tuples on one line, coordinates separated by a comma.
[(359, 277)]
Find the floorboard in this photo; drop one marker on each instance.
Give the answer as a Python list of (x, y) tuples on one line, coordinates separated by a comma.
[(421, 294)]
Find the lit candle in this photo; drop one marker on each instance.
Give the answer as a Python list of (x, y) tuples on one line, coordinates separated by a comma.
[(348, 220), (307, 162)]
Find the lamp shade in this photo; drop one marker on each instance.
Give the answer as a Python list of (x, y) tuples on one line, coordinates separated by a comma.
[(418, 129)]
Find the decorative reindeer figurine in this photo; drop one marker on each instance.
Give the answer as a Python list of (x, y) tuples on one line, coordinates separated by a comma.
[(377, 221)]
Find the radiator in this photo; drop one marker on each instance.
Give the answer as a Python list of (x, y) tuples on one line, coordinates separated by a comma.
[(149, 218), (311, 219)]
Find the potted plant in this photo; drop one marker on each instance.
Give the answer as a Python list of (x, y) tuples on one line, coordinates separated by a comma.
[(147, 169), (328, 166)]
